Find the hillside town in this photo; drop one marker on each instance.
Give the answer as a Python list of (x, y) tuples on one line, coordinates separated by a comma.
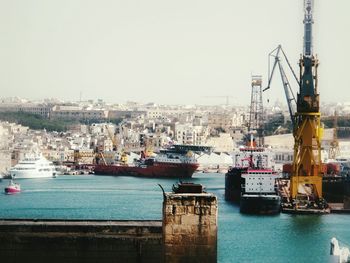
[(113, 129)]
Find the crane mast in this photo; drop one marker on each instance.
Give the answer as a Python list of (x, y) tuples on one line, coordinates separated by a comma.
[(306, 178), (308, 21)]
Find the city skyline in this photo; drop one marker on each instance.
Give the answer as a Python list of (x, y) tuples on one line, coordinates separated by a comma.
[(166, 53)]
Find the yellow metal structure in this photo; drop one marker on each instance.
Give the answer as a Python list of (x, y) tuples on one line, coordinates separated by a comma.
[(307, 165), (112, 137), (124, 158), (307, 170)]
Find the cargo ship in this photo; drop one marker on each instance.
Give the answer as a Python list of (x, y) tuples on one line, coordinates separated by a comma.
[(177, 161), (259, 192), (251, 181)]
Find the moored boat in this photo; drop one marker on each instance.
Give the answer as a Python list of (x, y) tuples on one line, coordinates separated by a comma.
[(34, 165), (251, 181), (175, 162), (259, 193), (246, 157)]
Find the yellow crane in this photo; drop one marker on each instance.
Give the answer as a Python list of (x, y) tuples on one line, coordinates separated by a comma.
[(305, 191), (112, 137), (306, 178)]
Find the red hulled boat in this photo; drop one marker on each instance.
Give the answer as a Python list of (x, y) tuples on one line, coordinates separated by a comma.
[(175, 162), (12, 188)]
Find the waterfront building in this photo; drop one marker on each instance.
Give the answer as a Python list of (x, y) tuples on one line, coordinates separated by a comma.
[(185, 134), (77, 113), (38, 109), (117, 114)]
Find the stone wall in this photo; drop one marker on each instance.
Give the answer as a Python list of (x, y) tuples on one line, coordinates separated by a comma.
[(188, 233), (80, 241), (190, 227)]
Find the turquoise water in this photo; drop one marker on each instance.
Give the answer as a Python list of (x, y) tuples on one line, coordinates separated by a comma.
[(242, 238)]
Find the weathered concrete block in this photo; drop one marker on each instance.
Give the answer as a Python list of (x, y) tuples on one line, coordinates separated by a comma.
[(188, 220), (193, 238)]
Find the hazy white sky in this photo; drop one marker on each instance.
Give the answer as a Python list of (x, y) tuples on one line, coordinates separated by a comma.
[(174, 52)]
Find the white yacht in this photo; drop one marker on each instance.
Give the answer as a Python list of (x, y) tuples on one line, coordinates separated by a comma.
[(34, 166)]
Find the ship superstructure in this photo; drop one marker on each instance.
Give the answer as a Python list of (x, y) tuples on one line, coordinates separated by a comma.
[(33, 166), (251, 181)]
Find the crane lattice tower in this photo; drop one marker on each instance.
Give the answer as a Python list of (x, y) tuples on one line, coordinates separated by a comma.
[(256, 114)]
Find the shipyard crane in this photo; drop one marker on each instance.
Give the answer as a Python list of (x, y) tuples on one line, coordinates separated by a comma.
[(112, 138), (307, 132), (256, 112), (276, 54)]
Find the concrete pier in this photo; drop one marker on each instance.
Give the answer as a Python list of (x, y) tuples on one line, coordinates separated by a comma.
[(190, 227), (80, 241)]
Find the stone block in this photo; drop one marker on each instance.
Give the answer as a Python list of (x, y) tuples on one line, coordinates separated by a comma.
[(213, 220), (190, 201), (190, 209), (180, 210), (213, 209), (168, 209), (190, 220), (168, 230)]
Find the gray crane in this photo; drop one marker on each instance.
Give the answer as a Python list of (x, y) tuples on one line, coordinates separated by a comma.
[(276, 54)]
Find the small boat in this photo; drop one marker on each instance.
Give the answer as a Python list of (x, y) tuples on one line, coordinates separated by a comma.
[(12, 188)]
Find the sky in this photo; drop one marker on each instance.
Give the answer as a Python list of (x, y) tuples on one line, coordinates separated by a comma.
[(166, 52)]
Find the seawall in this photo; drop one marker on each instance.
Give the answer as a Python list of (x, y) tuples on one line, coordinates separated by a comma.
[(85, 241), (187, 233)]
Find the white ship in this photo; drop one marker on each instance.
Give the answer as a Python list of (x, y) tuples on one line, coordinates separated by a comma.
[(34, 166)]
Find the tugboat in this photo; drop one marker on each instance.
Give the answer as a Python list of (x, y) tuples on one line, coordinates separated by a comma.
[(12, 188), (251, 182)]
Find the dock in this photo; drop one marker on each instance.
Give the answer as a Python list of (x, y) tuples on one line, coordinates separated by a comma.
[(338, 208), (289, 208), (186, 233)]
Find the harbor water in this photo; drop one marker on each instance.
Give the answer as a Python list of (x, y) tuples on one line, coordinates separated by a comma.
[(241, 238)]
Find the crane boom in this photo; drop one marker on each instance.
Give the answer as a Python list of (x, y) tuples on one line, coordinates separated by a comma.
[(291, 102)]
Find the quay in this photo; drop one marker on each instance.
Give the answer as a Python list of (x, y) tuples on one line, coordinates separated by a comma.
[(80, 241), (186, 233), (339, 208), (334, 207)]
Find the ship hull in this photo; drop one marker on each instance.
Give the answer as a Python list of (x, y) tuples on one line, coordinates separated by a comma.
[(336, 189), (157, 170), (260, 204), (233, 184), (31, 174), (12, 190)]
